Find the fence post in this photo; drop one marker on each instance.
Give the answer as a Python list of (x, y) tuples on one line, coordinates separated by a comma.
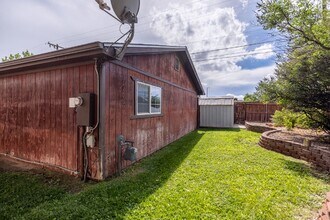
[(267, 119)]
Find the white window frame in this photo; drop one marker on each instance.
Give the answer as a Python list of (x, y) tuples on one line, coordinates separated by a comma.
[(137, 98)]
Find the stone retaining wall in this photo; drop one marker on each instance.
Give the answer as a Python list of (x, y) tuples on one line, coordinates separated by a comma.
[(250, 126), (319, 157)]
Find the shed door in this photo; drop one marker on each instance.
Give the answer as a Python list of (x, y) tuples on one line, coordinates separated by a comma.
[(217, 116)]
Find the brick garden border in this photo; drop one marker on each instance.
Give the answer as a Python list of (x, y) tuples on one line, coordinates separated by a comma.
[(318, 156), (250, 126)]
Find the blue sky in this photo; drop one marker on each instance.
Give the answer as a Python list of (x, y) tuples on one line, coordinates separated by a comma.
[(205, 27)]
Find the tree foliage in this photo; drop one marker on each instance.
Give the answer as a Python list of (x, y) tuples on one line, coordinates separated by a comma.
[(266, 91), (17, 56), (290, 119), (301, 21), (250, 97), (305, 80), (303, 77)]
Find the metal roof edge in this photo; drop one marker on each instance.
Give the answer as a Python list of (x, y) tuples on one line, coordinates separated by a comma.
[(97, 50), (152, 50), (77, 53), (196, 77), (217, 97)]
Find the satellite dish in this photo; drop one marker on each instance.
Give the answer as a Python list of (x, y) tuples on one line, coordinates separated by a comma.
[(126, 10)]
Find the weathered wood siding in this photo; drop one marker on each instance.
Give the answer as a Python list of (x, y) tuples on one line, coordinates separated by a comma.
[(36, 123), (179, 106)]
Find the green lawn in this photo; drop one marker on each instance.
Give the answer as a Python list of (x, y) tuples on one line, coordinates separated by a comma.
[(208, 174)]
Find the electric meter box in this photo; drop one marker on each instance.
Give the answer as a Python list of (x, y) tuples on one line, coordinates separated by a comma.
[(86, 111)]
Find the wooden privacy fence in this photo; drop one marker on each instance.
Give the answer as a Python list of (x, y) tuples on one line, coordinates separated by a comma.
[(254, 112)]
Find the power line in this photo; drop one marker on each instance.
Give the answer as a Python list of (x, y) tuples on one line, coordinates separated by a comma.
[(237, 56), (93, 31), (147, 16), (240, 53), (143, 30), (234, 47), (219, 37)]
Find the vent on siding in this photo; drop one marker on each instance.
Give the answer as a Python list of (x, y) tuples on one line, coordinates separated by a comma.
[(177, 64)]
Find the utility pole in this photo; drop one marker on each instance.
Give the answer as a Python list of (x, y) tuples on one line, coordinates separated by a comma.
[(55, 46)]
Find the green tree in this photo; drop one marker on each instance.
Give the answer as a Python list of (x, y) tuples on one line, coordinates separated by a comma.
[(250, 97), (301, 21), (17, 56), (266, 91), (303, 75)]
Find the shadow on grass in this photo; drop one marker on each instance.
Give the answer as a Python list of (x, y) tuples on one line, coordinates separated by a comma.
[(303, 170), (20, 192), (115, 198)]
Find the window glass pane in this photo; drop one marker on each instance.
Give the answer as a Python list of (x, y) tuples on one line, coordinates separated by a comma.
[(156, 94), (143, 98), (155, 109)]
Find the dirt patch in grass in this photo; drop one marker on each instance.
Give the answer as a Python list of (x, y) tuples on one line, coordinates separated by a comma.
[(70, 184), (9, 164), (66, 182)]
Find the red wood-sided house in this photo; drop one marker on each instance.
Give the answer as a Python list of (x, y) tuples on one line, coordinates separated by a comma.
[(149, 98)]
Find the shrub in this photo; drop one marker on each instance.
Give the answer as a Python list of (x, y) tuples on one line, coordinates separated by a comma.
[(304, 122), (278, 118), (290, 119)]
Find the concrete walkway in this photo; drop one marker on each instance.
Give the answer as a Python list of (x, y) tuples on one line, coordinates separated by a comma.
[(239, 126)]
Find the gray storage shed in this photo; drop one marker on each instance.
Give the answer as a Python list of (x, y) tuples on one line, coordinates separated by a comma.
[(217, 112)]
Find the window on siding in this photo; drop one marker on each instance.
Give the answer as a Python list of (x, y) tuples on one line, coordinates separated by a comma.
[(148, 99)]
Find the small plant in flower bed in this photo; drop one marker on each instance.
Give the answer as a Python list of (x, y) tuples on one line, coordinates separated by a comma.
[(290, 119)]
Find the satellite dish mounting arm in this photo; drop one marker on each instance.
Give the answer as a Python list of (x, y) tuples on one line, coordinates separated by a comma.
[(120, 52), (104, 7), (126, 11)]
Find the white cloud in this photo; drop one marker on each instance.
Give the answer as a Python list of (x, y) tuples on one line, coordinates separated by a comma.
[(244, 77), (219, 29), (30, 24), (199, 25), (202, 29), (265, 51), (244, 3), (239, 97)]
